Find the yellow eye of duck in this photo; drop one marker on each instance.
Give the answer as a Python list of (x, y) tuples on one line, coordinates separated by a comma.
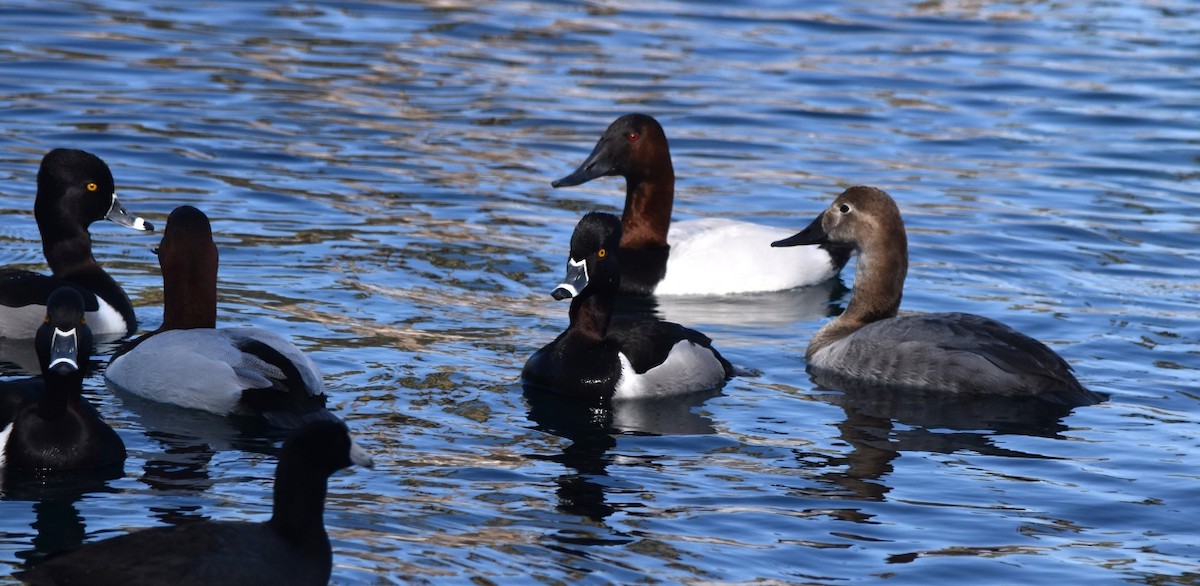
[(601, 253), (92, 187)]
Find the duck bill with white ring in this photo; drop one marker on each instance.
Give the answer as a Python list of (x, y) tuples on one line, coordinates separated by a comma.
[(64, 351), (813, 234), (117, 213), (573, 284)]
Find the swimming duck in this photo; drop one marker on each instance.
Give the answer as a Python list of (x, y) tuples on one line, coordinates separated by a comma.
[(74, 189), (291, 548), (709, 256), (190, 362), (45, 423), (870, 345), (624, 359)]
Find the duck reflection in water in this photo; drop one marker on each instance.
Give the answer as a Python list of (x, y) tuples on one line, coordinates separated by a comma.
[(592, 426), (782, 310), (57, 523), (956, 379), (188, 441), (880, 424)]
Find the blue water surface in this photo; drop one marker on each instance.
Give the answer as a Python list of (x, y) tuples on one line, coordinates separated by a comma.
[(378, 176)]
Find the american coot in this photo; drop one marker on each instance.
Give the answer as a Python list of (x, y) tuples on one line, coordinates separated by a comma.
[(191, 363), (709, 256), (74, 189), (870, 345), (290, 549), (600, 357)]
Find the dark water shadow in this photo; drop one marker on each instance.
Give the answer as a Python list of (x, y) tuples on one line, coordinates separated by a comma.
[(768, 309), (882, 423), (18, 357), (189, 440), (57, 523), (592, 426)]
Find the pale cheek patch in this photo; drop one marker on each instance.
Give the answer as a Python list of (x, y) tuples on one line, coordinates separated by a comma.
[(4, 443)]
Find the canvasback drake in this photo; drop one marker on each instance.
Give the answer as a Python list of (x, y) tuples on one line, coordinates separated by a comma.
[(709, 256), (624, 359), (74, 189), (869, 345), (291, 548), (190, 362), (46, 425)]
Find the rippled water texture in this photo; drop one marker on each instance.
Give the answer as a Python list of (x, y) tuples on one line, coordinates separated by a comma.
[(378, 178)]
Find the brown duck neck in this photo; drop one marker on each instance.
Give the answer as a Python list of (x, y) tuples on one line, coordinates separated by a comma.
[(649, 197), (190, 293), (878, 286)]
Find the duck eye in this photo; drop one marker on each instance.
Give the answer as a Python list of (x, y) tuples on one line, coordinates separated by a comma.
[(632, 136), (92, 187), (845, 209), (601, 253)]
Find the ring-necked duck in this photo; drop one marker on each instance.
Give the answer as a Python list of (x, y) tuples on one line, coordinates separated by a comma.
[(46, 425), (74, 189), (291, 548), (190, 362), (870, 345), (598, 356), (709, 256)]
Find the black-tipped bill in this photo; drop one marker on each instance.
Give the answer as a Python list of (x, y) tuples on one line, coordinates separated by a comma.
[(64, 351), (576, 280), (598, 164), (118, 214), (813, 234)]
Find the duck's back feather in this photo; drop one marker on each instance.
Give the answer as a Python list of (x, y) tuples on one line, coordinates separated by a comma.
[(638, 358), (956, 352), (183, 555), (647, 343), (23, 296), (209, 369), (663, 358), (716, 256)]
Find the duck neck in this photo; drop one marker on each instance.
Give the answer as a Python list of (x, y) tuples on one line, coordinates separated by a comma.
[(878, 286), (591, 313), (62, 391), (190, 294), (67, 247), (299, 511), (649, 197)]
